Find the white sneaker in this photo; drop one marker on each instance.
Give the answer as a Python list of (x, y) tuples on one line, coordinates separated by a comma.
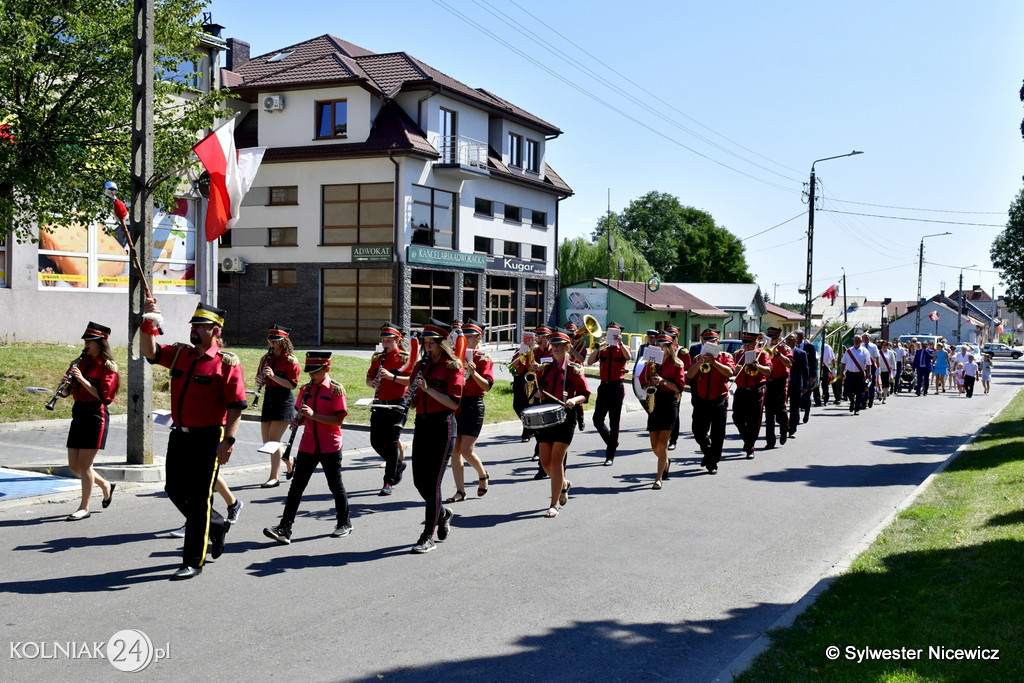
[(178, 533)]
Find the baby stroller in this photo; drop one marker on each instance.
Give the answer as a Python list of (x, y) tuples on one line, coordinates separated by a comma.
[(907, 379)]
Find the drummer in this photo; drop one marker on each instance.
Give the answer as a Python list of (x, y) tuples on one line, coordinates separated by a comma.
[(559, 382)]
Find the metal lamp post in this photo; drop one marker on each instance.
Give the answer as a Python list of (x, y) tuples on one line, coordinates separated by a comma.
[(808, 295), (920, 267), (960, 306)]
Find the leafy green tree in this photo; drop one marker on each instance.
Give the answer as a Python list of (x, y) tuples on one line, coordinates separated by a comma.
[(682, 243), (1008, 256), (65, 106), (580, 259)]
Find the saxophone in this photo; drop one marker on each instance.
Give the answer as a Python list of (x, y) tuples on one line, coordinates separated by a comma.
[(652, 389)]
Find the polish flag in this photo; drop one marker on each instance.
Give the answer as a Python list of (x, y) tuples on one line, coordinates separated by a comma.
[(831, 293), (231, 174), (933, 316)]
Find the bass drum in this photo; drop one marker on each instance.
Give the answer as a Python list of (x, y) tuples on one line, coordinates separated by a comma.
[(638, 387)]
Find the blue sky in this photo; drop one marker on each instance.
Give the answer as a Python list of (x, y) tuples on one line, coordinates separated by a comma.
[(726, 105)]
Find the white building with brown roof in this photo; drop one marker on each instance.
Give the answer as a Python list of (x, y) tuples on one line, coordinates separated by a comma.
[(389, 191)]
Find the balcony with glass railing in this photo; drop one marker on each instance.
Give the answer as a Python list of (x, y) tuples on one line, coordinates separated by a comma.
[(460, 155)]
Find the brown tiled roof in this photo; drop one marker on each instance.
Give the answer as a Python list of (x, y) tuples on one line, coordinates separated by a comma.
[(327, 59), (667, 298), (393, 131), (783, 312), (551, 180), (229, 79)]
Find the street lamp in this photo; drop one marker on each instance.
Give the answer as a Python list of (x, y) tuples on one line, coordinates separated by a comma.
[(960, 306), (920, 266), (808, 292)]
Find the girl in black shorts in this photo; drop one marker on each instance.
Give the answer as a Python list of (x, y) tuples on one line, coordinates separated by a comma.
[(279, 375), (479, 375)]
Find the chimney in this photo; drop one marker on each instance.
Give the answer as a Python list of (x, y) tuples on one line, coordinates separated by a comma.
[(238, 54)]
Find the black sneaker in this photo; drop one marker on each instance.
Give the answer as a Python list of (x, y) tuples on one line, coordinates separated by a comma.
[(445, 527), (424, 545), (399, 471), (233, 511), (341, 530), (217, 541), (280, 533)]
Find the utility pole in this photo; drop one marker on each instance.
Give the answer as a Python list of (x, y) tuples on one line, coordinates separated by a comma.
[(808, 295), (920, 270), (844, 297), (140, 375)]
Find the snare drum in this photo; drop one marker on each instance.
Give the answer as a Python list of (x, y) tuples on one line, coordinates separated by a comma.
[(543, 416)]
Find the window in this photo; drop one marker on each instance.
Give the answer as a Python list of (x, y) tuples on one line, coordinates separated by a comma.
[(538, 252), (225, 239), (482, 245), (513, 213), (186, 72), (512, 249), (515, 150), (356, 302), (94, 258), (532, 156), (449, 147), (3, 262), (483, 207), (331, 119), (533, 310), (280, 277), (358, 214), (282, 237), (470, 291), (433, 217), (538, 219), (281, 196), (432, 295)]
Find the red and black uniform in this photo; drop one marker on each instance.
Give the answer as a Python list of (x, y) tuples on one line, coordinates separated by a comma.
[(204, 386), (519, 398), (470, 418), (748, 403), (386, 423), (562, 382), (321, 444), (279, 401), (666, 399), (775, 398), (90, 417), (434, 437), (684, 356), (610, 394), (710, 398)]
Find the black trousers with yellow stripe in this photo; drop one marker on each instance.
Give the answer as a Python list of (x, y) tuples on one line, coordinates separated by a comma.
[(191, 473)]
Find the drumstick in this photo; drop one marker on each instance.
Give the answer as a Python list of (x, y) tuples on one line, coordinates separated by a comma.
[(552, 397)]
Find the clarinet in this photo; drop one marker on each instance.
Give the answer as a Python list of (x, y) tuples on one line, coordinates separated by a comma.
[(259, 373), (65, 381), (410, 394), (295, 426)]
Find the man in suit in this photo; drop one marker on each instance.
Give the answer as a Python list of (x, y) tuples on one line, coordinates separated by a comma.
[(812, 371), (799, 383)]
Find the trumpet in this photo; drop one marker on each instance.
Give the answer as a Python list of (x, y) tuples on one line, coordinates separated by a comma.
[(65, 381)]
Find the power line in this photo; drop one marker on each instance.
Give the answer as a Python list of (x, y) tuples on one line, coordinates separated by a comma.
[(802, 213), (907, 208), (602, 101), (905, 218)]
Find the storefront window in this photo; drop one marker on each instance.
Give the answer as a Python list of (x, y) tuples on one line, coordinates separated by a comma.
[(356, 302), (432, 296), (95, 257)]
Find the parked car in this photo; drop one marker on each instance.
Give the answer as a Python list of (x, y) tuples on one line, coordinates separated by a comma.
[(1002, 351)]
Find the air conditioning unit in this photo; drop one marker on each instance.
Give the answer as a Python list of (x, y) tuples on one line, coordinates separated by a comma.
[(232, 264), (273, 103)]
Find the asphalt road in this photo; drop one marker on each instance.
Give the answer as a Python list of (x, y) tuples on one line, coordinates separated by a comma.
[(625, 584)]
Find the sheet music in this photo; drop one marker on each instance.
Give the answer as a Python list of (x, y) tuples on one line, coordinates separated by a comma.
[(711, 349), (162, 417), (269, 447)]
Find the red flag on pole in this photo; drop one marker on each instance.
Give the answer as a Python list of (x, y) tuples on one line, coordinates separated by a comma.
[(831, 293), (933, 316), (217, 153)]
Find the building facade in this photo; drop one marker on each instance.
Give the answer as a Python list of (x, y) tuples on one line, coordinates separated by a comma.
[(388, 191)]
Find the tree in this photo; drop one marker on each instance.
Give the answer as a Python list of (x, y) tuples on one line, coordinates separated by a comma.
[(1008, 256), (580, 259), (65, 106), (683, 244)]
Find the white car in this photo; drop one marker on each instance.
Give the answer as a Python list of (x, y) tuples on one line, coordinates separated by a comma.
[(1002, 351)]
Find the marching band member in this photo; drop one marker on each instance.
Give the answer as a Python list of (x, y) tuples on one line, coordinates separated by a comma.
[(386, 423), (708, 377), (520, 365), (751, 377), (279, 375), (207, 400), (470, 419), (611, 392), (673, 332), (775, 390), (322, 410), (438, 382), (799, 383), (94, 387), (559, 381), (667, 378)]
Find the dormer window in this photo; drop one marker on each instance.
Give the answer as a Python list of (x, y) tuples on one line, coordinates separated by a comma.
[(532, 156), (515, 150), (332, 119)]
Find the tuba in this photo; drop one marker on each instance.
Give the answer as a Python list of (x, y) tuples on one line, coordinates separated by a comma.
[(585, 337)]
